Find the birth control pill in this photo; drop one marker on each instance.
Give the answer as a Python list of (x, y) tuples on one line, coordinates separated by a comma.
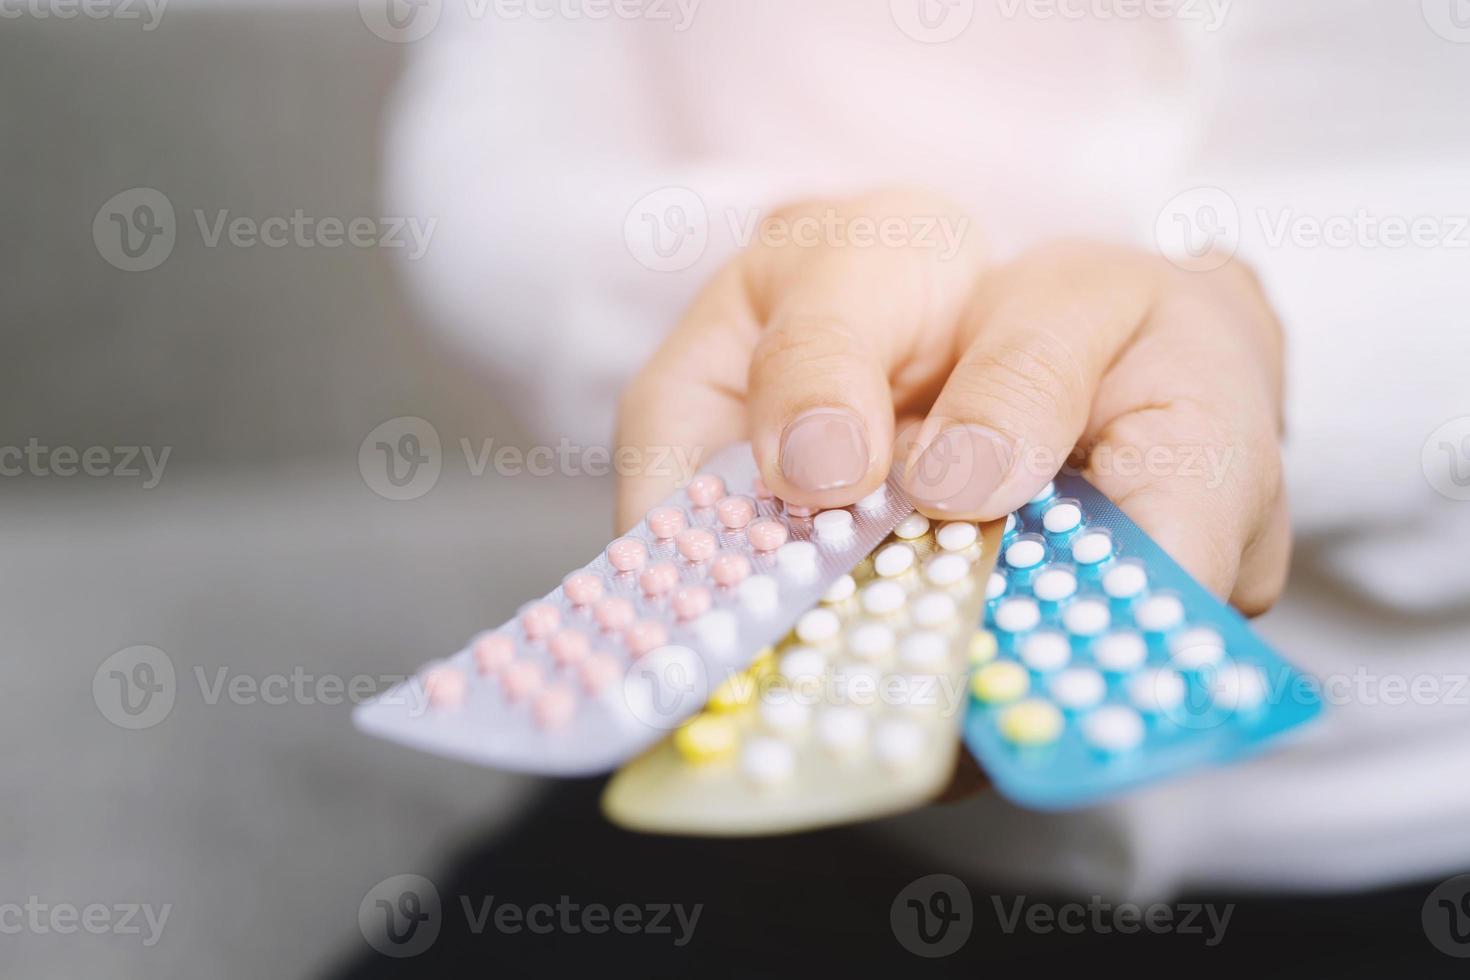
[(1125, 580), (729, 569), (735, 512), (924, 650), (841, 729), (1000, 681), (840, 590), (597, 672), (1078, 688), (767, 761), (883, 597), (645, 635), (898, 743), (568, 647), (797, 560), (1238, 687), (894, 560), (913, 526), (803, 666), (1062, 517), (1027, 551), (658, 579), (1011, 523), (1113, 728), (582, 588), (540, 620), (493, 651), (521, 679), (933, 609), (613, 614), (1045, 493), (870, 641), (782, 714), (818, 625), (1120, 652), (945, 570), (1087, 617), (705, 489), (554, 707), (665, 522), (690, 602), (874, 500), (627, 554), (983, 648), (1031, 723), (759, 595), (1046, 650), (1196, 648), (445, 686), (995, 586), (956, 535), (1159, 613), (1054, 584), (1092, 547), (1156, 691), (1017, 614), (766, 534), (834, 527), (696, 544), (707, 738)]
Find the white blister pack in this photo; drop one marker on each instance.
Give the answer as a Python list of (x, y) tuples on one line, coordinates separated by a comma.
[(629, 645)]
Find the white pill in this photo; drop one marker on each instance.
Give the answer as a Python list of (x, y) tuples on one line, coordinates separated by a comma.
[(797, 559), (870, 641), (1054, 584), (834, 527), (840, 590), (956, 536), (856, 683), (1159, 613), (1087, 617), (898, 742), (783, 714), (946, 569), (1011, 521), (1092, 547), (1156, 690), (933, 609), (718, 630), (1238, 687), (1113, 728), (1017, 614), (1196, 648), (894, 560), (995, 586), (924, 650), (842, 728), (1062, 517), (875, 499), (1025, 553), (767, 761), (916, 525), (1045, 493), (1120, 652), (818, 625), (1125, 580), (759, 594), (1078, 688), (1046, 650), (802, 665), (883, 597)]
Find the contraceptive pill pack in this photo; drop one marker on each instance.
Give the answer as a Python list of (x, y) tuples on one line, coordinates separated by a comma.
[(854, 715), (626, 647), (1113, 666)]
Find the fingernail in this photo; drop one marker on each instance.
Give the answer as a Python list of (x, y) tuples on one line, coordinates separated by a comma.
[(824, 449), (959, 471)]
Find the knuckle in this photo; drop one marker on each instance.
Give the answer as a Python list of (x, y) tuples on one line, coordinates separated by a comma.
[(1037, 380)]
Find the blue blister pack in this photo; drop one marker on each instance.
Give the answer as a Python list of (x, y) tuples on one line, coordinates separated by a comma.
[(1113, 666)]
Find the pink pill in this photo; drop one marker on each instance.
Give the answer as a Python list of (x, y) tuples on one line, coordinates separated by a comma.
[(444, 686), (627, 554), (691, 602), (539, 620), (705, 489), (696, 544), (493, 652), (520, 679), (659, 579), (568, 647), (554, 707), (761, 491), (730, 568), (796, 510), (613, 614), (735, 512), (665, 522), (597, 672), (582, 588), (645, 635), (766, 534)]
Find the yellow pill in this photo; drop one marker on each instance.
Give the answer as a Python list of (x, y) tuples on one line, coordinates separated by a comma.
[(982, 648), (708, 738), (1001, 681), (734, 693), (1031, 722)]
